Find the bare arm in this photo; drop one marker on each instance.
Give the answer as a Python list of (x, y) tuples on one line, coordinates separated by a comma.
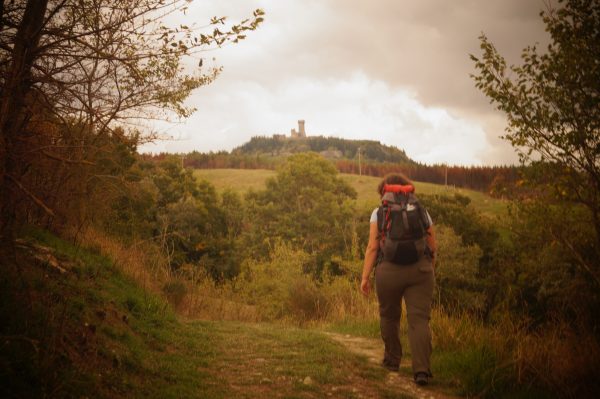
[(370, 258), (431, 243)]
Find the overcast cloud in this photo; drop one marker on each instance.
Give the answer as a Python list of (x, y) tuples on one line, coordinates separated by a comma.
[(396, 71)]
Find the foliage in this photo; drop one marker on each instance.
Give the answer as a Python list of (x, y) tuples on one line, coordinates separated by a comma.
[(376, 160), (186, 218), (552, 103), (224, 159), (271, 285), (79, 167), (306, 204), (479, 178), (458, 286), (534, 275), (454, 211), (92, 67), (281, 289), (100, 60), (553, 108), (242, 180)]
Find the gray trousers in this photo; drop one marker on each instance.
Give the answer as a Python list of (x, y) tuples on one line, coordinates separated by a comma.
[(414, 283)]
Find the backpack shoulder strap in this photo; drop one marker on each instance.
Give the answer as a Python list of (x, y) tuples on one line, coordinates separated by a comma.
[(422, 211), (404, 200)]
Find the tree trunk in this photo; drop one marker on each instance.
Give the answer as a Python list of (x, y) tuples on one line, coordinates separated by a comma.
[(1, 15), (13, 108)]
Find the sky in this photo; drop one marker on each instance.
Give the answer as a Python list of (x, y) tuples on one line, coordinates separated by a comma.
[(394, 71)]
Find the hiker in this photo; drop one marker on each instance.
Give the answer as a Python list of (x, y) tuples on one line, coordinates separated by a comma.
[(401, 248)]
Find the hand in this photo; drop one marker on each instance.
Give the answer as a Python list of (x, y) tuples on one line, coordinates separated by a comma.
[(365, 286)]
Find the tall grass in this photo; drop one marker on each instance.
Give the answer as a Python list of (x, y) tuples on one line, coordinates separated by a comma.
[(191, 293), (509, 357), (487, 360), (141, 261)]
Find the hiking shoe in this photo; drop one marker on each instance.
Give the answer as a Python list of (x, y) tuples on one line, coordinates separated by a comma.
[(421, 378)]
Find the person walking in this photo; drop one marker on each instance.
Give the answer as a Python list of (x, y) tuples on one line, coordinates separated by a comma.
[(402, 249)]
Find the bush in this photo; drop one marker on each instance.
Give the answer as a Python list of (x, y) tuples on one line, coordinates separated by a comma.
[(283, 288), (267, 284), (457, 283), (175, 291), (306, 301)]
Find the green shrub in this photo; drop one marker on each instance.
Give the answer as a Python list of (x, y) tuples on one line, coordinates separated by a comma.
[(280, 287), (457, 283)]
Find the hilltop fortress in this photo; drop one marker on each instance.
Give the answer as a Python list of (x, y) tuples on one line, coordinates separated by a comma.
[(300, 134)]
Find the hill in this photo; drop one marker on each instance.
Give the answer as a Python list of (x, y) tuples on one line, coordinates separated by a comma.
[(75, 325), (329, 147), (242, 180), (364, 157)]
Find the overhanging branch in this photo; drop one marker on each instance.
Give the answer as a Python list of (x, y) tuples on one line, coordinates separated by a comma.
[(35, 199)]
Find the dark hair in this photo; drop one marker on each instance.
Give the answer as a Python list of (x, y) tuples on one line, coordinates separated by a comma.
[(393, 178)]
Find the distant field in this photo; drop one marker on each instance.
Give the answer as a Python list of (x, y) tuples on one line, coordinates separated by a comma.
[(241, 180), (366, 187)]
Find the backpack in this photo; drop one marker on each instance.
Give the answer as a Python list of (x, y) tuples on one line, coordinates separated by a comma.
[(402, 225)]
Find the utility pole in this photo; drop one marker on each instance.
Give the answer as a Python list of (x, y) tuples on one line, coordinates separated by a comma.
[(446, 176), (359, 165)]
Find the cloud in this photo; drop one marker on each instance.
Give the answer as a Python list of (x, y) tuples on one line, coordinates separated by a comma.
[(354, 68), (355, 108)]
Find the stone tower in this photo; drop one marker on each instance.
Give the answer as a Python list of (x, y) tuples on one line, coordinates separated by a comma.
[(301, 131)]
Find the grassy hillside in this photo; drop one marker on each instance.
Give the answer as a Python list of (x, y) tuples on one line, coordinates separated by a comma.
[(75, 326), (241, 180)]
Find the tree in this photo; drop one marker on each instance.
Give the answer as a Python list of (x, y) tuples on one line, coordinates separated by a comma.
[(97, 64), (306, 205), (552, 102), (457, 272)]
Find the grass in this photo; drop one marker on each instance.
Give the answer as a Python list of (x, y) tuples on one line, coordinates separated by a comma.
[(93, 332), (359, 328), (264, 360), (239, 180), (468, 357), (242, 180)]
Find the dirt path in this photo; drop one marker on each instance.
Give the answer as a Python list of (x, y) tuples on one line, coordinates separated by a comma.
[(403, 380)]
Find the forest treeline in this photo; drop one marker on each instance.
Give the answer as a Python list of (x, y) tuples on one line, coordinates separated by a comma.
[(498, 181), (376, 159)]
